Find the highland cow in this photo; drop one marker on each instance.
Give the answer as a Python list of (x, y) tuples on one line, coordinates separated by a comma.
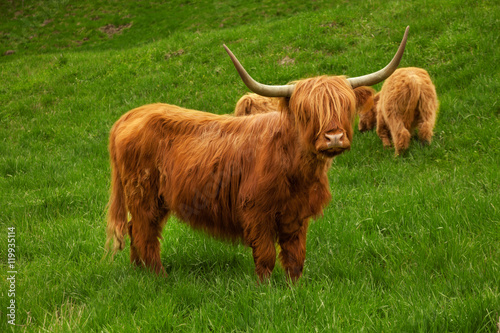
[(258, 179), (407, 101)]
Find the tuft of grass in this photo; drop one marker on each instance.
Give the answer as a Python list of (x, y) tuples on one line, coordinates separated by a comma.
[(406, 244)]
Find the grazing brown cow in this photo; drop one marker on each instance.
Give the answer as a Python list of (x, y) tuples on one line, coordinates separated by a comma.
[(258, 178), (406, 101), (365, 101)]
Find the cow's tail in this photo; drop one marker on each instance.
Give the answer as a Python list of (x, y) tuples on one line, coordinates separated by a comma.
[(413, 99), (117, 213)]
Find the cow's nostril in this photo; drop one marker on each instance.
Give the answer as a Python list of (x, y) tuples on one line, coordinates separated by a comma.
[(334, 140)]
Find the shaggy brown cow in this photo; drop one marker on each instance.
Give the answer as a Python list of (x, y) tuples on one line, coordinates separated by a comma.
[(406, 101), (258, 178)]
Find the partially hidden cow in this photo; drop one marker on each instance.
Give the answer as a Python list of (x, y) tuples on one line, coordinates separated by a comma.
[(258, 179), (253, 104), (407, 101), (365, 101)]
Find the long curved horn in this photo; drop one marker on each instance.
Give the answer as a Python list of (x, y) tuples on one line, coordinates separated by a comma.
[(259, 88), (287, 90), (384, 73)]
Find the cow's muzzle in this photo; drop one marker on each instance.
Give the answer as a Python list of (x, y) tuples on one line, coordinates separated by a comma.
[(337, 141)]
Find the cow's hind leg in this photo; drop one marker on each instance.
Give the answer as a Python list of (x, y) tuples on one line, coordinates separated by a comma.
[(427, 109), (383, 130), (293, 252), (135, 257), (425, 132), (402, 139), (395, 122)]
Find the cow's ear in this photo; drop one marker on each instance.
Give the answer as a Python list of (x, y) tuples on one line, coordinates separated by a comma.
[(243, 106)]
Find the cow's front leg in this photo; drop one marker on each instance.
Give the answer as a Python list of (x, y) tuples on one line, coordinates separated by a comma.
[(260, 235), (264, 256), (293, 251)]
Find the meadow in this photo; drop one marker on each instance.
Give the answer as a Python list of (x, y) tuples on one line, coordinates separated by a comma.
[(407, 244)]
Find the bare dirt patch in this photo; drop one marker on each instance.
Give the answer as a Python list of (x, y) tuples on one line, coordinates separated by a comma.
[(46, 22), (332, 24), (111, 29), (286, 61), (174, 54)]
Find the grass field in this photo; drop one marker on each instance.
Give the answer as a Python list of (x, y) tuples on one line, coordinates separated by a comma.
[(408, 244)]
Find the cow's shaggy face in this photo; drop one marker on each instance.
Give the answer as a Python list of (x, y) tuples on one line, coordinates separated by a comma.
[(323, 108)]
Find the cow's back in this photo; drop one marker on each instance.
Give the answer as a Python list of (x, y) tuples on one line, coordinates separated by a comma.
[(205, 167), (401, 93)]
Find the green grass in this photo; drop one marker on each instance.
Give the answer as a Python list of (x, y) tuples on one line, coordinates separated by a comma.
[(408, 244)]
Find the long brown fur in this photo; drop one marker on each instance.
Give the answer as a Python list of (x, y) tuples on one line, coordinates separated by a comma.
[(407, 101), (258, 178)]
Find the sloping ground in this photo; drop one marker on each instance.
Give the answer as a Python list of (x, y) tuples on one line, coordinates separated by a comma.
[(406, 244)]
